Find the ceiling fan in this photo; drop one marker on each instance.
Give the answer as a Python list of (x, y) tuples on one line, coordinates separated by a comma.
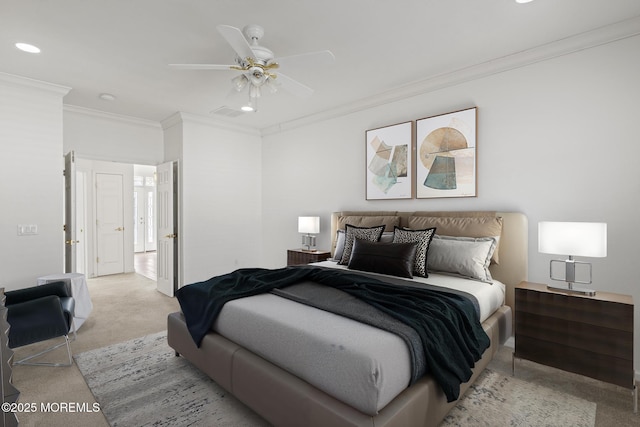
[(258, 65)]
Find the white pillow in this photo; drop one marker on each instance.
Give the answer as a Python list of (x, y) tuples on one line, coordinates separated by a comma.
[(463, 256)]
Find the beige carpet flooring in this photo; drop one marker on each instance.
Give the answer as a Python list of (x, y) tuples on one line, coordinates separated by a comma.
[(125, 306), (128, 306)]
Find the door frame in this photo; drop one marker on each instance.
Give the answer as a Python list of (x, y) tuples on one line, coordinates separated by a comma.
[(91, 168)]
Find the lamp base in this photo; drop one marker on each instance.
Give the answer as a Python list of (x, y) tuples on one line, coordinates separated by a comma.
[(572, 290)]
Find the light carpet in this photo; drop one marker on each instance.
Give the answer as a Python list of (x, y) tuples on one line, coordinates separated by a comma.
[(142, 383), (498, 400)]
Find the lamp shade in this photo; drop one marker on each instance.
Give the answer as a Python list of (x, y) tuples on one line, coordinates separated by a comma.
[(587, 239), (309, 224)]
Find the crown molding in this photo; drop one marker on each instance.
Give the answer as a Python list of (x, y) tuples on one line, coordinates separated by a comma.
[(171, 121), (587, 40), (121, 118), (182, 117), (14, 80)]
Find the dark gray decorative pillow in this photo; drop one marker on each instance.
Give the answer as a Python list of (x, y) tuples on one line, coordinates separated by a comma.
[(352, 232), (423, 238), (395, 259)]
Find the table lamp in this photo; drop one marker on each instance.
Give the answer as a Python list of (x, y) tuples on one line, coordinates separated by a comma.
[(587, 239), (309, 225)]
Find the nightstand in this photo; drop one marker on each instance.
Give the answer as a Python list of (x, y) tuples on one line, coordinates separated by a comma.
[(586, 335), (299, 256)]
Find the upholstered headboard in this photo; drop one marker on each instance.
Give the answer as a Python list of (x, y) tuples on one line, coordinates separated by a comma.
[(513, 244)]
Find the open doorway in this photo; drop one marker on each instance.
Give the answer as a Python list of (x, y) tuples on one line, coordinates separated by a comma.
[(145, 263), (98, 205), (99, 214), (113, 218), (144, 220), (144, 208)]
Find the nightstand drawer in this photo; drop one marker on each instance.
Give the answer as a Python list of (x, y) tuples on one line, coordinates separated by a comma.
[(611, 342), (587, 335), (591, 364), (575, 308), (300, 257)]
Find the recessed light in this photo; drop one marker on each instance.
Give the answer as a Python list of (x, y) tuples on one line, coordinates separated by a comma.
[(523, 1), (26, 47), (107, 97)]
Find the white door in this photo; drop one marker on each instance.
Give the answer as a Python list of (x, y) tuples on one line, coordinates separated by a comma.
[(109, 224), (81, 222), (69, 213), (167, 235)]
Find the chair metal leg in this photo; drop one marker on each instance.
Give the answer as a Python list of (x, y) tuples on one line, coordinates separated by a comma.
[(26, 360), (73, 328)]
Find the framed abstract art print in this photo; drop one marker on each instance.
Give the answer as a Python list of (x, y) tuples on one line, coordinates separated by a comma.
[(446, 155), (389, 162)]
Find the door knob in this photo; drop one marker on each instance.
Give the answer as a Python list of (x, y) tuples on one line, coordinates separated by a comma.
[(71, 242), (119, 228), (171, 236)]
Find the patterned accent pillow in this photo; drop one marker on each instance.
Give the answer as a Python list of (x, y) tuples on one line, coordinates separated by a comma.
[(423, 238), (371, 234), (387, 237)]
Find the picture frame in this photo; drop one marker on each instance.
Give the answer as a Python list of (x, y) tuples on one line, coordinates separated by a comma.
[(446, 155), (389, 162)]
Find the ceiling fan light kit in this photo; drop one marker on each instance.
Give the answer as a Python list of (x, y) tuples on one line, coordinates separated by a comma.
[(240, 82), (257, 63)]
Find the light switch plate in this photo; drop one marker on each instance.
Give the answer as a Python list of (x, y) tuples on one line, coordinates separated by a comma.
[(27, 230)]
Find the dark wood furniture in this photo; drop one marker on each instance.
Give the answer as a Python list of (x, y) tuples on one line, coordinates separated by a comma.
[(299, 256), (587, 335), (8, 393)]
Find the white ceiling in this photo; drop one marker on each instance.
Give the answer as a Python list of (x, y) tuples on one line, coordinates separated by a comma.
[(123, 47)]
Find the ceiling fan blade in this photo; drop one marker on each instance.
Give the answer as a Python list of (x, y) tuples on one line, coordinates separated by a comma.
[(236, 39), (294, 86), (321, 58), (202, 66)]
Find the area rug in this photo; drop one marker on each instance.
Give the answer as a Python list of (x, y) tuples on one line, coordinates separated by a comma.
[(142, 383), (498, 400)]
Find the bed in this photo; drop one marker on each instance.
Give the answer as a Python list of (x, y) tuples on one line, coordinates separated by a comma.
[(240, 359)]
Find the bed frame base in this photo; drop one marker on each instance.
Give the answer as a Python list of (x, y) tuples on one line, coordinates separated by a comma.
[(285, 400)]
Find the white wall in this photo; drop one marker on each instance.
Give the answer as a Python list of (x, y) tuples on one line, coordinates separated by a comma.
[(220, 174), (557, 140), (101, 136), (31, 181)]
